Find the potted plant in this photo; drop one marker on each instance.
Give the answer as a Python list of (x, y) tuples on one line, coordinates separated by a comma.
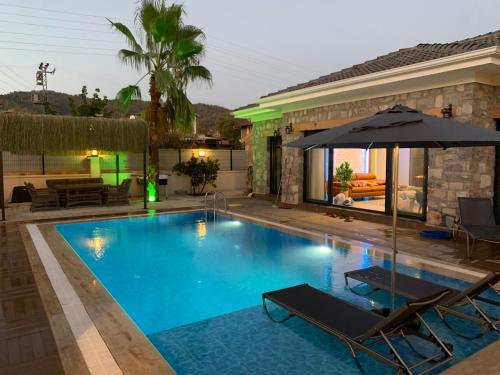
[(202, 173), (344, 173)]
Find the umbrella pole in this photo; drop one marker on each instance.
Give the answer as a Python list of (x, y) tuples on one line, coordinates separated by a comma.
[(394, 223)]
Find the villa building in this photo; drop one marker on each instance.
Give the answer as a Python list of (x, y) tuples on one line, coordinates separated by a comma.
[(459, 80)]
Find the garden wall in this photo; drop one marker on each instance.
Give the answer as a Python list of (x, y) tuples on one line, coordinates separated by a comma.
[(28, 168)]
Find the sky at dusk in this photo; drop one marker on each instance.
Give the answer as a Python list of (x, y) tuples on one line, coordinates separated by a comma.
[(253, 47)]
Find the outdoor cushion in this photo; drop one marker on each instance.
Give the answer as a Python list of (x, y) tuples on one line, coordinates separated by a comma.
[(364, 176)]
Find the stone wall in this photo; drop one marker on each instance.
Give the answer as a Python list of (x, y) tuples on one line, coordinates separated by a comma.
[(260, 151), (452, 173)]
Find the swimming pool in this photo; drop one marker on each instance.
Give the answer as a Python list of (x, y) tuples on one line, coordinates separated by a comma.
[(193, 287)]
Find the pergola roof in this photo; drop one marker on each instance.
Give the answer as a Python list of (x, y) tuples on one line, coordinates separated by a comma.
[(32, 134)]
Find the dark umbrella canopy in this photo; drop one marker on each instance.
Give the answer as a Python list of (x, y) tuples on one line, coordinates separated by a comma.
[(404, 126)]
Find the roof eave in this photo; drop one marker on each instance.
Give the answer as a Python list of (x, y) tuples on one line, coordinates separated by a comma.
[(273, 106), (442, 62)]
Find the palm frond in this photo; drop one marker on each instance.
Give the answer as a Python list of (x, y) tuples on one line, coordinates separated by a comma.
[(192, 32), (132, 58), (179, 109), (187, 48), (127, 94), (195, 73), (164, 28), (128, 35), (165, 82), (147, 13)]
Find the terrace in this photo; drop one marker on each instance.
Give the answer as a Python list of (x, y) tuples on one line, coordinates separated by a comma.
[(37, 330)]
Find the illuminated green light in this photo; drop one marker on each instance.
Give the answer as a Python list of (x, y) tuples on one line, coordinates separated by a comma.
[(151, 192)]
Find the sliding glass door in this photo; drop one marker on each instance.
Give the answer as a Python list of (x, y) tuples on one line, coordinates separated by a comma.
[(412, 181), (370, 187)]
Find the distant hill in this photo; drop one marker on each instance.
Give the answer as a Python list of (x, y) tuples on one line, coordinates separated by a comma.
[(207, 115)]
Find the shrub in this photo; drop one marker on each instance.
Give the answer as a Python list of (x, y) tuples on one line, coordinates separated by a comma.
[(344, 173), (202, 173)]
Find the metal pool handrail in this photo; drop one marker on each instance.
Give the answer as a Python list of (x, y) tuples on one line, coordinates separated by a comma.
[(215, 195)]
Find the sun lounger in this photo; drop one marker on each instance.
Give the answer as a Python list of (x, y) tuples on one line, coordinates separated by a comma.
[(361, 329), (414, 288), (477, 220)]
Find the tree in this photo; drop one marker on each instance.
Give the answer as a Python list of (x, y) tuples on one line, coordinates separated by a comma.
[(344, 173), (96, 106), (47, 108), (170, 53), (226, 125), (201, 172)]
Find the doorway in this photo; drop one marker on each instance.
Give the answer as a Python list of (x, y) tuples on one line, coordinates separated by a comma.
[(275, 153), (496, 187)]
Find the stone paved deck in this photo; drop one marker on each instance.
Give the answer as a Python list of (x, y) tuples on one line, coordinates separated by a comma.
[(27, 345)]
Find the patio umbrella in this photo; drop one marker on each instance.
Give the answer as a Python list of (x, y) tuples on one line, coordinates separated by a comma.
[(398, 127)]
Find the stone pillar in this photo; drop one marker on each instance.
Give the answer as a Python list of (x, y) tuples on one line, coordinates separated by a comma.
[(260, 154), (292, 170), (462, 172)]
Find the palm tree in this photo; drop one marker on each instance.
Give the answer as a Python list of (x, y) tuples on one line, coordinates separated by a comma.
[(169, 52)]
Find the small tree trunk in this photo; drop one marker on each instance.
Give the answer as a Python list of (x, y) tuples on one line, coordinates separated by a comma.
[(154, 151)]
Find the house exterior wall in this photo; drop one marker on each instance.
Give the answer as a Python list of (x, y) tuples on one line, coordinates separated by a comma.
[(260, 154), (452, 173)]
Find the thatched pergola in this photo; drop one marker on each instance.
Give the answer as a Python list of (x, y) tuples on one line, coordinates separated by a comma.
[(44, 134)]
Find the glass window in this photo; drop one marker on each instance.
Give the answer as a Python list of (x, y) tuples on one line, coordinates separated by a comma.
[(367, 188), (411, 180)]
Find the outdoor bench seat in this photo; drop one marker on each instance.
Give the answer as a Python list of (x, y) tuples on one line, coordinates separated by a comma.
[(42, 199), (361, 329), (117, 194), (73, 181), (415, 288)]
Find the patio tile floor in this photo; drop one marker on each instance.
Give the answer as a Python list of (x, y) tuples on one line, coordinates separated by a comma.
[(26, 342)]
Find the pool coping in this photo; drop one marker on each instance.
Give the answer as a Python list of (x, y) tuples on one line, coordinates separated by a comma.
[(129, 347)]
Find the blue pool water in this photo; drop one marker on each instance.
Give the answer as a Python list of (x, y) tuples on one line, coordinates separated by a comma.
[(194, 289)]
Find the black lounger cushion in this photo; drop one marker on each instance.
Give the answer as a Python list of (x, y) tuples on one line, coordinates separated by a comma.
[(407, 286), (324, 310)]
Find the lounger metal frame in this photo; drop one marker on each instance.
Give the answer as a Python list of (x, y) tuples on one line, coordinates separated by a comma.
[(471, 239), (361, 344), (484, 319)]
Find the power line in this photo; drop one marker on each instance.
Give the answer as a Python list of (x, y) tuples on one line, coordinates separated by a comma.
[(59, 37), (38, 17), (52, 51), (5, 83), (246, 48), (57, 45), (56, 27), (52, 10), (14, 79), (262, 53), (12, 70), (225, 51)]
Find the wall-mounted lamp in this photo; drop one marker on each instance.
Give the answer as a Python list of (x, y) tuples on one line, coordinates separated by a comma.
[(447, 112), (201, 153), (289, 128), (94, 153), (277, 132)]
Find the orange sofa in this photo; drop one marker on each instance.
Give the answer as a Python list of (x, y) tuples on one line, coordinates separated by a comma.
[(362, 185)]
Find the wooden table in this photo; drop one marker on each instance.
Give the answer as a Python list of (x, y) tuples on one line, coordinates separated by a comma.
[(74, 194)]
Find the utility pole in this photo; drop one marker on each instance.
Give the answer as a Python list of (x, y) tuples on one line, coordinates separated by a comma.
[(41, 96)]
